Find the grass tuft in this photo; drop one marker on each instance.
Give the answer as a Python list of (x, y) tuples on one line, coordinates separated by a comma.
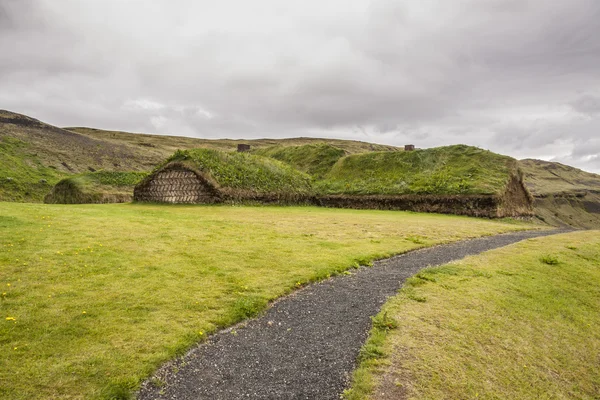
[(247, 307), (549, 259)]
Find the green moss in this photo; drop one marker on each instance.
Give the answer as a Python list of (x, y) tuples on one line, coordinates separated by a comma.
[(245, 171), (456, 169)]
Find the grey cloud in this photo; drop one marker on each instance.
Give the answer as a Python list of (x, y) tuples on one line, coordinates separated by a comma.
[(493, 73), (587, 104)]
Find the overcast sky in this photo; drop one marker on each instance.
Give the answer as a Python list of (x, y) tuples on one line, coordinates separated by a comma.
[(519, 77)]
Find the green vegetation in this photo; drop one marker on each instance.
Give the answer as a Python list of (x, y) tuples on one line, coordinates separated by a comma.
[(513, 323), (552, 178), (243, 171), (313, 159), (34, 156), (94, 298), (23, 177), (444, 170), (579, 211), (96, 187), (565, 196)]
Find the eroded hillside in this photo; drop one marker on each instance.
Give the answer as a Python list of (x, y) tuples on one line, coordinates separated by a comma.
[(564, 195)]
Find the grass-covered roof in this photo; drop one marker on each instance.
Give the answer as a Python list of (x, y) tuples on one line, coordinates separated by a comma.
[(314, 159), (455, 169), (244, 171)]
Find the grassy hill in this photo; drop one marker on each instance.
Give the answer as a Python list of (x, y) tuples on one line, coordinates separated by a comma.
[(545, 178), (564, 195), (95, 187), (23, 176), (455, 169), (34, 155), (166, 145)]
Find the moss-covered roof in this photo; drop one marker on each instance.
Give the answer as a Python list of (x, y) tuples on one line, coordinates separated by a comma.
[(244, 171), (455, 169), (314, 159)]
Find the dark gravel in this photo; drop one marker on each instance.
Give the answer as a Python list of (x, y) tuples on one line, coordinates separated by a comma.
[(305, 346)]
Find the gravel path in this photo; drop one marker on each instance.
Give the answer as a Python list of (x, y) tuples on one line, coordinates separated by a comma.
[(305, 346)]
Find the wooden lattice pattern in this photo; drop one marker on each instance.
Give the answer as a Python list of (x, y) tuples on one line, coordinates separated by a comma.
[(176, 185)]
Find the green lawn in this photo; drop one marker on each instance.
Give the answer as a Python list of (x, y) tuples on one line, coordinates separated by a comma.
[(93, 298), (519, 322)]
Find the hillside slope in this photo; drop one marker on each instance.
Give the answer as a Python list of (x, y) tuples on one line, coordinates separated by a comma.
[(164, 146), (545, 177), (34, 155), (564, 195), (67, 151)]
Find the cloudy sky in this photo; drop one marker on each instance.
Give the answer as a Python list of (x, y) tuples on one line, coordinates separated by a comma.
[(519, 77)]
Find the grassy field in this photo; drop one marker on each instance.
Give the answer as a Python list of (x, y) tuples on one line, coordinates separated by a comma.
[(35, 155), (95, 297), (519, 322)]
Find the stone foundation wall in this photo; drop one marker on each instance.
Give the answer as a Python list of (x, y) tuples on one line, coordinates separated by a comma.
[(175, 185)]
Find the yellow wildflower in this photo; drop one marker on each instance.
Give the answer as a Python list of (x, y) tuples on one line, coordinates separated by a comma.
[(11, 319)]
